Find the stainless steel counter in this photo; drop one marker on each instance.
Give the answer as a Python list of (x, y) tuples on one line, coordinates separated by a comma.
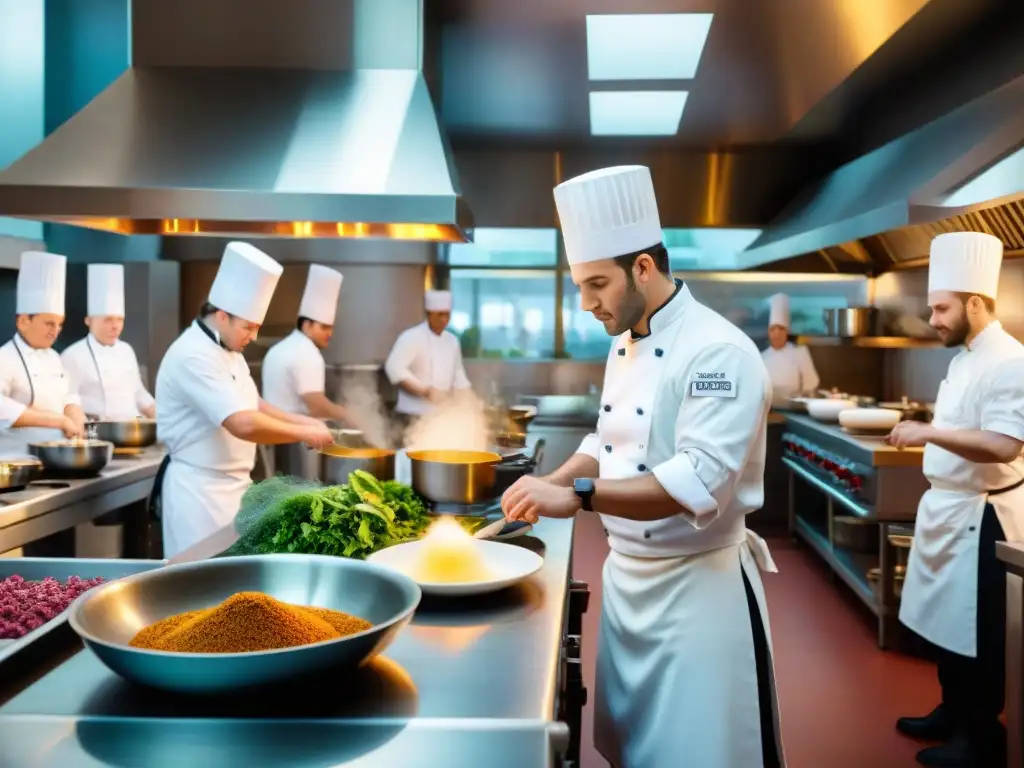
[(471, 682), (1013, 556), (37, 511)]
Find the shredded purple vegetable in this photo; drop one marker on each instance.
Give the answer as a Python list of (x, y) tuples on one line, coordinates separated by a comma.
[(27, 605)]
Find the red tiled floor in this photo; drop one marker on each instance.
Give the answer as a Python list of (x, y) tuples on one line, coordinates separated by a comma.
[(840, 695)]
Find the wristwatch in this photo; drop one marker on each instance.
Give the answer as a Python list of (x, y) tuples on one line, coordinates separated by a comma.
[(584, 488)]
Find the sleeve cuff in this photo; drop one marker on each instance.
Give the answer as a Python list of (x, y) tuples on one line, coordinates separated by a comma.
[(1012, 429), (591, 447), (10, 412), (679, 479)]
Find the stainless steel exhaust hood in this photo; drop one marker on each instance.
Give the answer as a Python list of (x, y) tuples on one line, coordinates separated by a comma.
[(247, 150)]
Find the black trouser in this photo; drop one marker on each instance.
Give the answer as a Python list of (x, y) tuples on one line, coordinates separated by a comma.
[(974, 689), (762, 657)]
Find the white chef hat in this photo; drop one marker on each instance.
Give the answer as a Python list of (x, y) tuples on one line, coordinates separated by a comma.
[(106, 290), (608, 213), (320, 299), (41, 281), (965, 262), (438, 301), (245, 282), (778, 310)]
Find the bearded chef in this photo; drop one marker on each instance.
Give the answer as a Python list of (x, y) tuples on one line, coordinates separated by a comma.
[(426, 361), (294, 371), (104, 369), (955, 589), (37, 400), (209, 413), (790, 367), (684, 672)]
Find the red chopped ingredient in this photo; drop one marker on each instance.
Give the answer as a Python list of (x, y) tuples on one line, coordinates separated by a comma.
[(27, 605)]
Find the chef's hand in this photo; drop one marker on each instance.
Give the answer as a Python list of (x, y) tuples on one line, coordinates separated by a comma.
[(78, 419), (70, 428), (435, 395), (530, 498), (317, 435), (910, 434)]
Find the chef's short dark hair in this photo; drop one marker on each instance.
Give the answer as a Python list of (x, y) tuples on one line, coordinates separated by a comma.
[(208, 309), (988, 301), (659, 253), (302, 321)]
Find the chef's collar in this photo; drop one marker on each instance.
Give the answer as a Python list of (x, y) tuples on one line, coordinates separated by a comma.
[(24, 346), (986, 333), (91, 339), (211, 334), (673, 308)]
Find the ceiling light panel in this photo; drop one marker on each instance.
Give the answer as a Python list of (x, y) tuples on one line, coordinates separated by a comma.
[(636, 113), (650, 46)]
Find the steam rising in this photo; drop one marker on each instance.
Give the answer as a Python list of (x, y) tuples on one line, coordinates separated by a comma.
[(458, 423), (366, 412)]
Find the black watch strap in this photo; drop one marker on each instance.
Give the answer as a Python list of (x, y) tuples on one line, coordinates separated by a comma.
[(584, 488)]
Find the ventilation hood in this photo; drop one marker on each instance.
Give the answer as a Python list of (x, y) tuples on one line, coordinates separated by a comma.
[(251, 151), (918, 183)]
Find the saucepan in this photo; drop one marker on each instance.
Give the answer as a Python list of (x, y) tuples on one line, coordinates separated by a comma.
[(78, 456), (337, 462), (17, 473), (133, 433), (454, 477)]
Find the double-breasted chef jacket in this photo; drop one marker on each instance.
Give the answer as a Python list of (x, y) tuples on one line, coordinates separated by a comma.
[(30, 378), (680, 666), (983, 390), (434, 360), (199, 385), (107, 379), (791, 371)]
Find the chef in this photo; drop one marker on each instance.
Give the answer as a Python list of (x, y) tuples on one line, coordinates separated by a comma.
[(684, 672), (955, 589), (790, 367), (103, 369), (209, 413), (426, 360), (37, 401), (294, 372)]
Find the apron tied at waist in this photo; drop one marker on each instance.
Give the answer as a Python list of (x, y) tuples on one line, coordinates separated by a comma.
[(1006, 489), (156, 495), (759, 550)]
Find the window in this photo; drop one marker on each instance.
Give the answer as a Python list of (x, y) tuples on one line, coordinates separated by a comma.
[(501, 247)]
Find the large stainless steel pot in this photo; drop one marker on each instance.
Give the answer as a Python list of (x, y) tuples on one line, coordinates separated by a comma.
[(136, 433), (17, 473), (338, 462), (854, 534), (78, 456), (454, 477), (849, 322)]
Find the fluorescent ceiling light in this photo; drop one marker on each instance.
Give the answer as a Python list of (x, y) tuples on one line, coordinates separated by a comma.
[(636, 113), (649, 46)]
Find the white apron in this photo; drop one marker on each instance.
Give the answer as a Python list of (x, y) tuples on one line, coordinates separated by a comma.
[(43, 385), (676, 673), (116, 381), (196, 499), (940, 593)]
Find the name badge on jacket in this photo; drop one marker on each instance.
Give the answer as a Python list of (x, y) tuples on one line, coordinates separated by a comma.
[(712, 384)]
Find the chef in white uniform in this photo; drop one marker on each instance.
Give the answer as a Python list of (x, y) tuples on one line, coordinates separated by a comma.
[(426, 360), (955, 590), (790, 367), (684, 675), (103, 369), (37, 401), (294, 372), (209, 412)]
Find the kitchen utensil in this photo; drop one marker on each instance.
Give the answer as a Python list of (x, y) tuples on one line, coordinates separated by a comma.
[(828, 409), (133, 433), (854, 534), (848, 322), (510, 440), (522, 415), (108, 617), (910, 410), (349, 438), (454, 477), (337, 463), (507, 564), (80, 456), (869, 420), (17, 473)]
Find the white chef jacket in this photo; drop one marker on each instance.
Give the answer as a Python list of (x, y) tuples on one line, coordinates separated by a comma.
[(107, 379), (293, 367), (791, 370), (49, 389), (984, 389), (431, 360), (198, 386)]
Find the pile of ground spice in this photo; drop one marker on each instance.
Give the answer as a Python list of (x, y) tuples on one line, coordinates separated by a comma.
[(244, 623)]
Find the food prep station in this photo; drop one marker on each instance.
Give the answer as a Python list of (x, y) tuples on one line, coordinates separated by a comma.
[(491, 680)]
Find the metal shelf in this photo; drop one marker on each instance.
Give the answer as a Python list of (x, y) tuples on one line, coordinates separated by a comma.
[(869, 342), (850, 566), (844, 501)]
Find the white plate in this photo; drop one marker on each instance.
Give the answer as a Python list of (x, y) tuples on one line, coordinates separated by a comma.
[(509, 563)]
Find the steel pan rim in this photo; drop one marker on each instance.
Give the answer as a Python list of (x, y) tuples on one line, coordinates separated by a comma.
[(403, 582)]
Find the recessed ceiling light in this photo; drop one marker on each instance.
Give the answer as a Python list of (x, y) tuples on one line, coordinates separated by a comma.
[(648, 46), (636, 113)]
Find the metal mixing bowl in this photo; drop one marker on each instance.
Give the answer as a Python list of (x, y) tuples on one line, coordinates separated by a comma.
[(134, 433), (82, 456), (109, 616)]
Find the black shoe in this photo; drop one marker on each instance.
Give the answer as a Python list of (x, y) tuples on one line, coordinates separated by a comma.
[(935, 726), (960, 752)]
